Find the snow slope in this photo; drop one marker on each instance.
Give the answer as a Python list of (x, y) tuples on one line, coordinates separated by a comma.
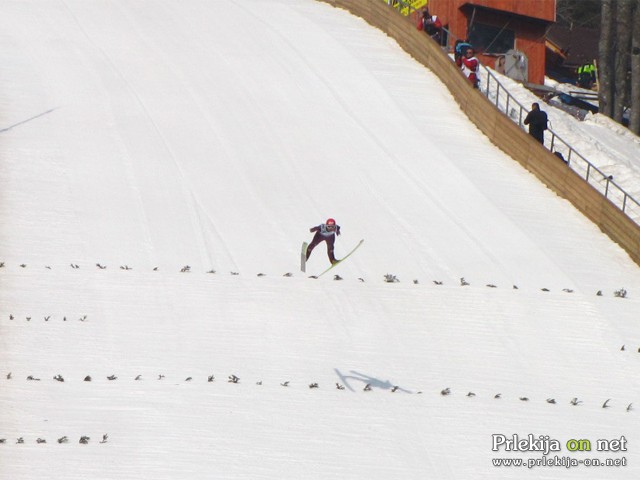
[(151, 136)]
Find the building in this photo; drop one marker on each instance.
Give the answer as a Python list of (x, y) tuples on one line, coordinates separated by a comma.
[(494, 27), (569, 48)]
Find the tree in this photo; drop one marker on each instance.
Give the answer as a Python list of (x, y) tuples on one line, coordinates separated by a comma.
[(622, 58), (619, 62), (634, 118), (606, 58), (618, 51), (578, 13)]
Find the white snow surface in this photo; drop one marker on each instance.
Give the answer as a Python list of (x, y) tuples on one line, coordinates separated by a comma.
[(151, 136)]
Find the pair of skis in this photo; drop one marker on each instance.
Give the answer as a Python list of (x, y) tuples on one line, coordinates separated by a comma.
[(303, 258)]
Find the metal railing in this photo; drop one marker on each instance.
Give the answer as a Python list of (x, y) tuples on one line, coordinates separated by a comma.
[(603, 183), (498, 94)]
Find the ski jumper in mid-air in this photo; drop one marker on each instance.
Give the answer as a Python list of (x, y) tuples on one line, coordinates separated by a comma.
[(325, 232)]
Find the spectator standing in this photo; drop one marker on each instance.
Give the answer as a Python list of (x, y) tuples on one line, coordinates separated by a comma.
[(432, 25), (470, 67), (537, 121), (586, 75), (459, 49)]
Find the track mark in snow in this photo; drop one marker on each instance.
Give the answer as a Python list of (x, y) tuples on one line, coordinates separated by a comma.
[(128, 170)]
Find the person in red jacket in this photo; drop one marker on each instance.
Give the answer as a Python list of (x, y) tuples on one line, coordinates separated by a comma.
[(471, 67), (325, 232), (432, 25)]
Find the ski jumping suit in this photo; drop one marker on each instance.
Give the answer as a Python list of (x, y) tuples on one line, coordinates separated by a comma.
[(324, 235)]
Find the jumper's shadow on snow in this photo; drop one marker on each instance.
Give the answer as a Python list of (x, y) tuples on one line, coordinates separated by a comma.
[(28, 120), (354, 378)]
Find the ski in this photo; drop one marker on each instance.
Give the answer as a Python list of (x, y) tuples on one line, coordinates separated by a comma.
[(343, 258), (303, 257)]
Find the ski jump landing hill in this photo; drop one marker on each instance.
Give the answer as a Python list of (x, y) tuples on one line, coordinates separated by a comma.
[(161, 163), (498, 128)]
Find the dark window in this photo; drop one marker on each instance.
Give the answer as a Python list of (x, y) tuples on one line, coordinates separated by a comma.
[(490, 39)]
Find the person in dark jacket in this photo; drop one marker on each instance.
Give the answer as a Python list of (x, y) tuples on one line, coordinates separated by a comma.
[(325, 232), (537, 121), (431, 25)]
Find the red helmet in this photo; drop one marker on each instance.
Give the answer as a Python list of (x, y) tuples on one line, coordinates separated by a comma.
[(330, 221)]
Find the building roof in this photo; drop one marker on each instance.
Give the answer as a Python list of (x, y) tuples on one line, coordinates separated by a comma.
[(579, 45), (555, 48)]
